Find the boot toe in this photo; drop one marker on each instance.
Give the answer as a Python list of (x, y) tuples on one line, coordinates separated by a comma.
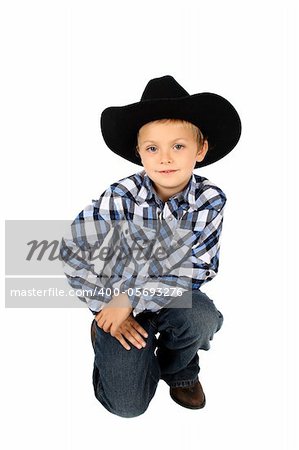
[(191, 397)]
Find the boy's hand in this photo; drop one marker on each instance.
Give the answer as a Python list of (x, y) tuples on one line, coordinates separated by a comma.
[(114, 313), (132, 331)]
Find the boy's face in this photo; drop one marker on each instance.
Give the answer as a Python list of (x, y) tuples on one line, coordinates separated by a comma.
[(170, 147)]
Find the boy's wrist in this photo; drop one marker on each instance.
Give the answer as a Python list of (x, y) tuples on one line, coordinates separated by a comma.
[(122, 301)]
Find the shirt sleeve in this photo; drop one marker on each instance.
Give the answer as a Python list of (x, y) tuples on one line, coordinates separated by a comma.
[(205, 252), (188, 273), (93, 230)]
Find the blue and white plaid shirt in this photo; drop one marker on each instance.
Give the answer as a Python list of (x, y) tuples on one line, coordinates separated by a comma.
[(130, 241)]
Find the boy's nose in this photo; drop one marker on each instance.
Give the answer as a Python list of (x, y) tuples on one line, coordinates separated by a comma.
[(165, 157)]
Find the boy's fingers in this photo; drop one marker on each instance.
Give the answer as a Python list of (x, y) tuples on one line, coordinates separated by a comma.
[(99, 322), (106, 326), (135, 338), (123, 342), (113, 329), (138, 327), (130, 329)]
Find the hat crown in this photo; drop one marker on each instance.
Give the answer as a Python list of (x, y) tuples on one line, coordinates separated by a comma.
[(163, 87)]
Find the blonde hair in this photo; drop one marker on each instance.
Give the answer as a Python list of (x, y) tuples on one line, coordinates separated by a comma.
[(198, 136)]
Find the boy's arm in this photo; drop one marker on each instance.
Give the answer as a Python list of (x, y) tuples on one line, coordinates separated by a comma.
[(88, 233), (205, 253)]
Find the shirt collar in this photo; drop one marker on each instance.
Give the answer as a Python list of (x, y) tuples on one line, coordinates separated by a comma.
[(185, 199)]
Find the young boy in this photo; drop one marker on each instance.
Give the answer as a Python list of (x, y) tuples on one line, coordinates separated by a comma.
[(156, 235)]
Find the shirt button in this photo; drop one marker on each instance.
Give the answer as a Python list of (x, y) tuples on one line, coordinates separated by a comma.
[(208, 272), (170, 218)]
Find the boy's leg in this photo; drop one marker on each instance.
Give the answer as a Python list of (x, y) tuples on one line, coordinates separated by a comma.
[(183, 331), (125, 381)]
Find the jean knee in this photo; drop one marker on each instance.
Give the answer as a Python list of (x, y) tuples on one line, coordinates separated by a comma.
[(132, 408), (124, 384), (205, 315), (117, 404), (134, 412)]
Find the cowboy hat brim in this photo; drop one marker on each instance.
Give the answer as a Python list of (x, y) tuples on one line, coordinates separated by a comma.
[(214, 115)]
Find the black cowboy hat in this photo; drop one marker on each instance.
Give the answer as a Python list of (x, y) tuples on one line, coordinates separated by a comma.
[(164, 98)]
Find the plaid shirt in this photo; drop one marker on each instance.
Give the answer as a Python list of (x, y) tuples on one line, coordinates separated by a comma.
[(130, 241)]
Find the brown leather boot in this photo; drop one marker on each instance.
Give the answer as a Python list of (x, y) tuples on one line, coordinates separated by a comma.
[(192, 397)]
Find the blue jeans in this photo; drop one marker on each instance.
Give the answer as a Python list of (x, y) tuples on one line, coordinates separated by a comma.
[(125, 381)]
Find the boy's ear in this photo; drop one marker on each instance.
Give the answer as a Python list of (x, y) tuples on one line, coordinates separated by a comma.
[(137, 152), (202, 151)]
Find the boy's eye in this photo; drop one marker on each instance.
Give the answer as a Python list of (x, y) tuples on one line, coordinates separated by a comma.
[(149, 149), (153, 149)]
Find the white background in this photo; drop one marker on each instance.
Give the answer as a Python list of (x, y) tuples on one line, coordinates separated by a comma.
[(62, 63)]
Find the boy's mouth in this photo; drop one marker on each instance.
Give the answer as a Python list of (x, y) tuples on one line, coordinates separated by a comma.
[(167, 171)]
